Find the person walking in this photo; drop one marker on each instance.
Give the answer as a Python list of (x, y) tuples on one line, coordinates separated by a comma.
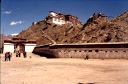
[(86, 57), (6, 56), (24, 53), (17, 53), (10, 55)]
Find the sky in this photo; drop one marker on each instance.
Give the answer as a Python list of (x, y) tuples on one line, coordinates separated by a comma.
[(18, 15)]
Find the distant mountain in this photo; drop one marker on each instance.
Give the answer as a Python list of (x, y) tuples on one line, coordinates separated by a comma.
[(98, 28)]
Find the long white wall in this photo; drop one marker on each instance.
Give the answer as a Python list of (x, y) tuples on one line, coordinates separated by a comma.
[(29, 47), (8, 47)]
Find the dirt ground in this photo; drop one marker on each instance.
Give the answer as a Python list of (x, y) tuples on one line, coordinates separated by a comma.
[(40, 70)]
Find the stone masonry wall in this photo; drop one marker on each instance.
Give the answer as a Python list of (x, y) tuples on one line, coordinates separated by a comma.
[(99, 53)]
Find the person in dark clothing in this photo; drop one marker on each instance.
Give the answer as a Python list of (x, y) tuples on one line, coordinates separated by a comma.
[(86, 57), (8, 56), (24, 54), (17, 53)]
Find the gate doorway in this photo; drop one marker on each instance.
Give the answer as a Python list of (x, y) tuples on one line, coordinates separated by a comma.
[(20, 47)]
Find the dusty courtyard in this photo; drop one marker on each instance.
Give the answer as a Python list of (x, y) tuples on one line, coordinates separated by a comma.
[(40, 70)]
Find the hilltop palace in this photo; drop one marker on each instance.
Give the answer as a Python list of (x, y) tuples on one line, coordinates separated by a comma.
[(61, 19)]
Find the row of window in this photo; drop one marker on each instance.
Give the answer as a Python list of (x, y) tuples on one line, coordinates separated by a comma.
[(58, 20)]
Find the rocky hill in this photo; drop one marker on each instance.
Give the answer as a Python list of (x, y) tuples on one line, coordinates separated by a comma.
[(46, 33), (98, 28)]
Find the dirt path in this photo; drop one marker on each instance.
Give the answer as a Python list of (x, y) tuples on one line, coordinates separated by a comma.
[(39, 70)]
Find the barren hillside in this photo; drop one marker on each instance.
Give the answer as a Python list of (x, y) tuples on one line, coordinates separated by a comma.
[(46, 33), (98, 28)]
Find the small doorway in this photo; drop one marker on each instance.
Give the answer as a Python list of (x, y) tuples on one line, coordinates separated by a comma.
[(22, 48)]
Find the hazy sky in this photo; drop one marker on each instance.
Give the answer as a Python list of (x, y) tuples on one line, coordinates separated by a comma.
[(17, 15)]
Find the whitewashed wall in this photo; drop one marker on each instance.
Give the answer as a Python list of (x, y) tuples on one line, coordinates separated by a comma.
[(29, 47), (58, 21), (8, 47)]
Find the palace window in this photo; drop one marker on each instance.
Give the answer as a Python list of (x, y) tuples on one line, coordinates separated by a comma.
[(89, 50), (96, 50)]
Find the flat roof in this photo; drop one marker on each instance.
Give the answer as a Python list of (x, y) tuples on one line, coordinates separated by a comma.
[(87, 45), (91, 43), (19, 41)]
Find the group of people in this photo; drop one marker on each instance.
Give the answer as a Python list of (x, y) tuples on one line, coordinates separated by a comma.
[(18, 54), (8, 55)]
